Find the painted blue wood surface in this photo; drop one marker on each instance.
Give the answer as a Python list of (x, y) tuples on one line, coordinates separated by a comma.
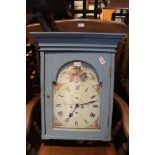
[(59, 48)]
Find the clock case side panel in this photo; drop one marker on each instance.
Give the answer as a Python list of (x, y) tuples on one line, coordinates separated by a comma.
[(112, 69), (42, 82)]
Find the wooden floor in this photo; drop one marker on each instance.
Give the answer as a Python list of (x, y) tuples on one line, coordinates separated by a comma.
[(61, 150)]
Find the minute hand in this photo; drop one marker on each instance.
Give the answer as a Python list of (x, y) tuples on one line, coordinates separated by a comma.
[(88, 102)]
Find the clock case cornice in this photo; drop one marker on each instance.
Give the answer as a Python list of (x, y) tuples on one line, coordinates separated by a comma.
[(75, 41)]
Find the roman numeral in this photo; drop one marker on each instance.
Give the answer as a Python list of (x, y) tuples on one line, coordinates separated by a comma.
[(77, 87), (76, 123), (95, 106), (86, 90), (67, 120), (58, 105), (61, 95), (60, 113), (68, 89), (93, 96), (86, 121), (92, 115)]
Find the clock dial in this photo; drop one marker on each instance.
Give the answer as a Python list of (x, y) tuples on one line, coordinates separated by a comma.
[(76, 99)]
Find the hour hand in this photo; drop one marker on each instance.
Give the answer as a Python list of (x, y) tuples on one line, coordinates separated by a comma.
[(77, 98), (71, 114)]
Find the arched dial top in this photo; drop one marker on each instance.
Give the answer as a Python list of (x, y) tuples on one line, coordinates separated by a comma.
[(76, 97), (77, 71)]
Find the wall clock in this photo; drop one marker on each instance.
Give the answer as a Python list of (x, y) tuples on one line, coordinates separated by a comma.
[(77, 75)]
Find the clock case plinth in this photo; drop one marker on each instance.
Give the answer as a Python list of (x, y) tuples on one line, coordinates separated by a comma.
[(59, 48)]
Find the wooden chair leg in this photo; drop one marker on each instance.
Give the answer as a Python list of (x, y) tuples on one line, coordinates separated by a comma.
[(124, 149), (116, 129)]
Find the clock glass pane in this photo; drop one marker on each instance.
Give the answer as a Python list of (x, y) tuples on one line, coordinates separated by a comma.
[(76, 97)]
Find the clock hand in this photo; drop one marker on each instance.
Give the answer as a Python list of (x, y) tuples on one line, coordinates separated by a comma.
[(71, 114), (88, 102), (77, 98)]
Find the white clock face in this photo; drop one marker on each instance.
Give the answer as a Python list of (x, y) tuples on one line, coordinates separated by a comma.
[(76, 98)]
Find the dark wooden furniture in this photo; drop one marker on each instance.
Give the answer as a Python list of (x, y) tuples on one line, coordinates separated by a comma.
[(121, 124), (108, 149), (121, 8), (82, 25), (59, 150), (85, 10), (121, 15), (29, 110), (118, 4)]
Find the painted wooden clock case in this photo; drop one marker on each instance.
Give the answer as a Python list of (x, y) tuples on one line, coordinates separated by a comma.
[(77, 78)]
